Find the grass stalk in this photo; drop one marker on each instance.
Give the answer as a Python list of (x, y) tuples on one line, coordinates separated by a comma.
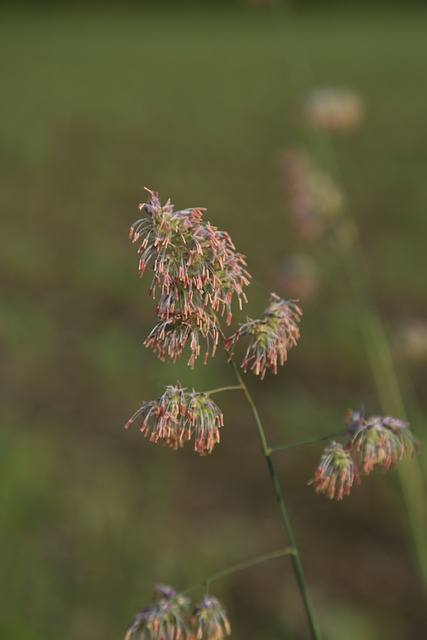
[(295, 558)]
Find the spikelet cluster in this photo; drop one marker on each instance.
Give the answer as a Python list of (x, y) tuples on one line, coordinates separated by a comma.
[(165, 619), (197, 273), (270, 337), (370, 443), (336, 472), (378, 441), (171, 617), (210, 620), (177, 416)]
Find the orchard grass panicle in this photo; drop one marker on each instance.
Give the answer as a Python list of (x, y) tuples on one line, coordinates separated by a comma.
[(170, 335), (271, 336), (165, 619), (336, 472), (196, 274), (378, 441), (372, 443), (210, 620), (178, 415), (170, 617)]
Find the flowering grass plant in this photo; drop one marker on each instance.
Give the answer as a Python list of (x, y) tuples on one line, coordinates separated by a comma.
[(197, 274)]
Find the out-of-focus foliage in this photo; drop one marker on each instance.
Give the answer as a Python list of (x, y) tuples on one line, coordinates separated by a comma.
[(96, 104)]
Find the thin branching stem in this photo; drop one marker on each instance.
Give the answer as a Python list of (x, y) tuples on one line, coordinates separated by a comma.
[(247, 564), (221, 389), (300, 443), (295, 559)]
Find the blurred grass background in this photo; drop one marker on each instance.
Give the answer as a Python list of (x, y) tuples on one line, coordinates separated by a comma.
[(196, 104)]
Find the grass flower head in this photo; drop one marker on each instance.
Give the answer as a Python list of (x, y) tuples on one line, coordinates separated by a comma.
[(210, 620), (370, 443), (165, 619), (171, 333), (336, 472), (177, 415), (271, 336), (197, 273), (378, 441)]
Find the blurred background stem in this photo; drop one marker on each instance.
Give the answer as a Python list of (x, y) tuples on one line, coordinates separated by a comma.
[(390, 396), (352, 259)]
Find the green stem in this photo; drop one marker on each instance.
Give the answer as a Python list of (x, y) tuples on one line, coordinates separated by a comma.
[(295, 559), (241, 566), (220, 389), (300, 443)]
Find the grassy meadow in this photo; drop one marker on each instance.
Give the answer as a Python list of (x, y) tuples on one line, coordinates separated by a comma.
[(196, 104)]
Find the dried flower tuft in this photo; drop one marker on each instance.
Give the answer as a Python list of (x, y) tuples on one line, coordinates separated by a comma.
[(170, 335), (271, 336), (370, 443), (196, 274), (169, 618), (177, 415), (166, 619), (336, 472), (378, 441), (210, 620)]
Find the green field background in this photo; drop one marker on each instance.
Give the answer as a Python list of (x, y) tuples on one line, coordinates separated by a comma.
[(197, 104)]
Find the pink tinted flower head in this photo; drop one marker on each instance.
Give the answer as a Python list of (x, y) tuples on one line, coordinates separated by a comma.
[(336, 472), (271, 336), (378, 441), (371, 443), (210, 620), (165, 619), (195, 265), (173, 332), (178, 416), (170, 618)]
